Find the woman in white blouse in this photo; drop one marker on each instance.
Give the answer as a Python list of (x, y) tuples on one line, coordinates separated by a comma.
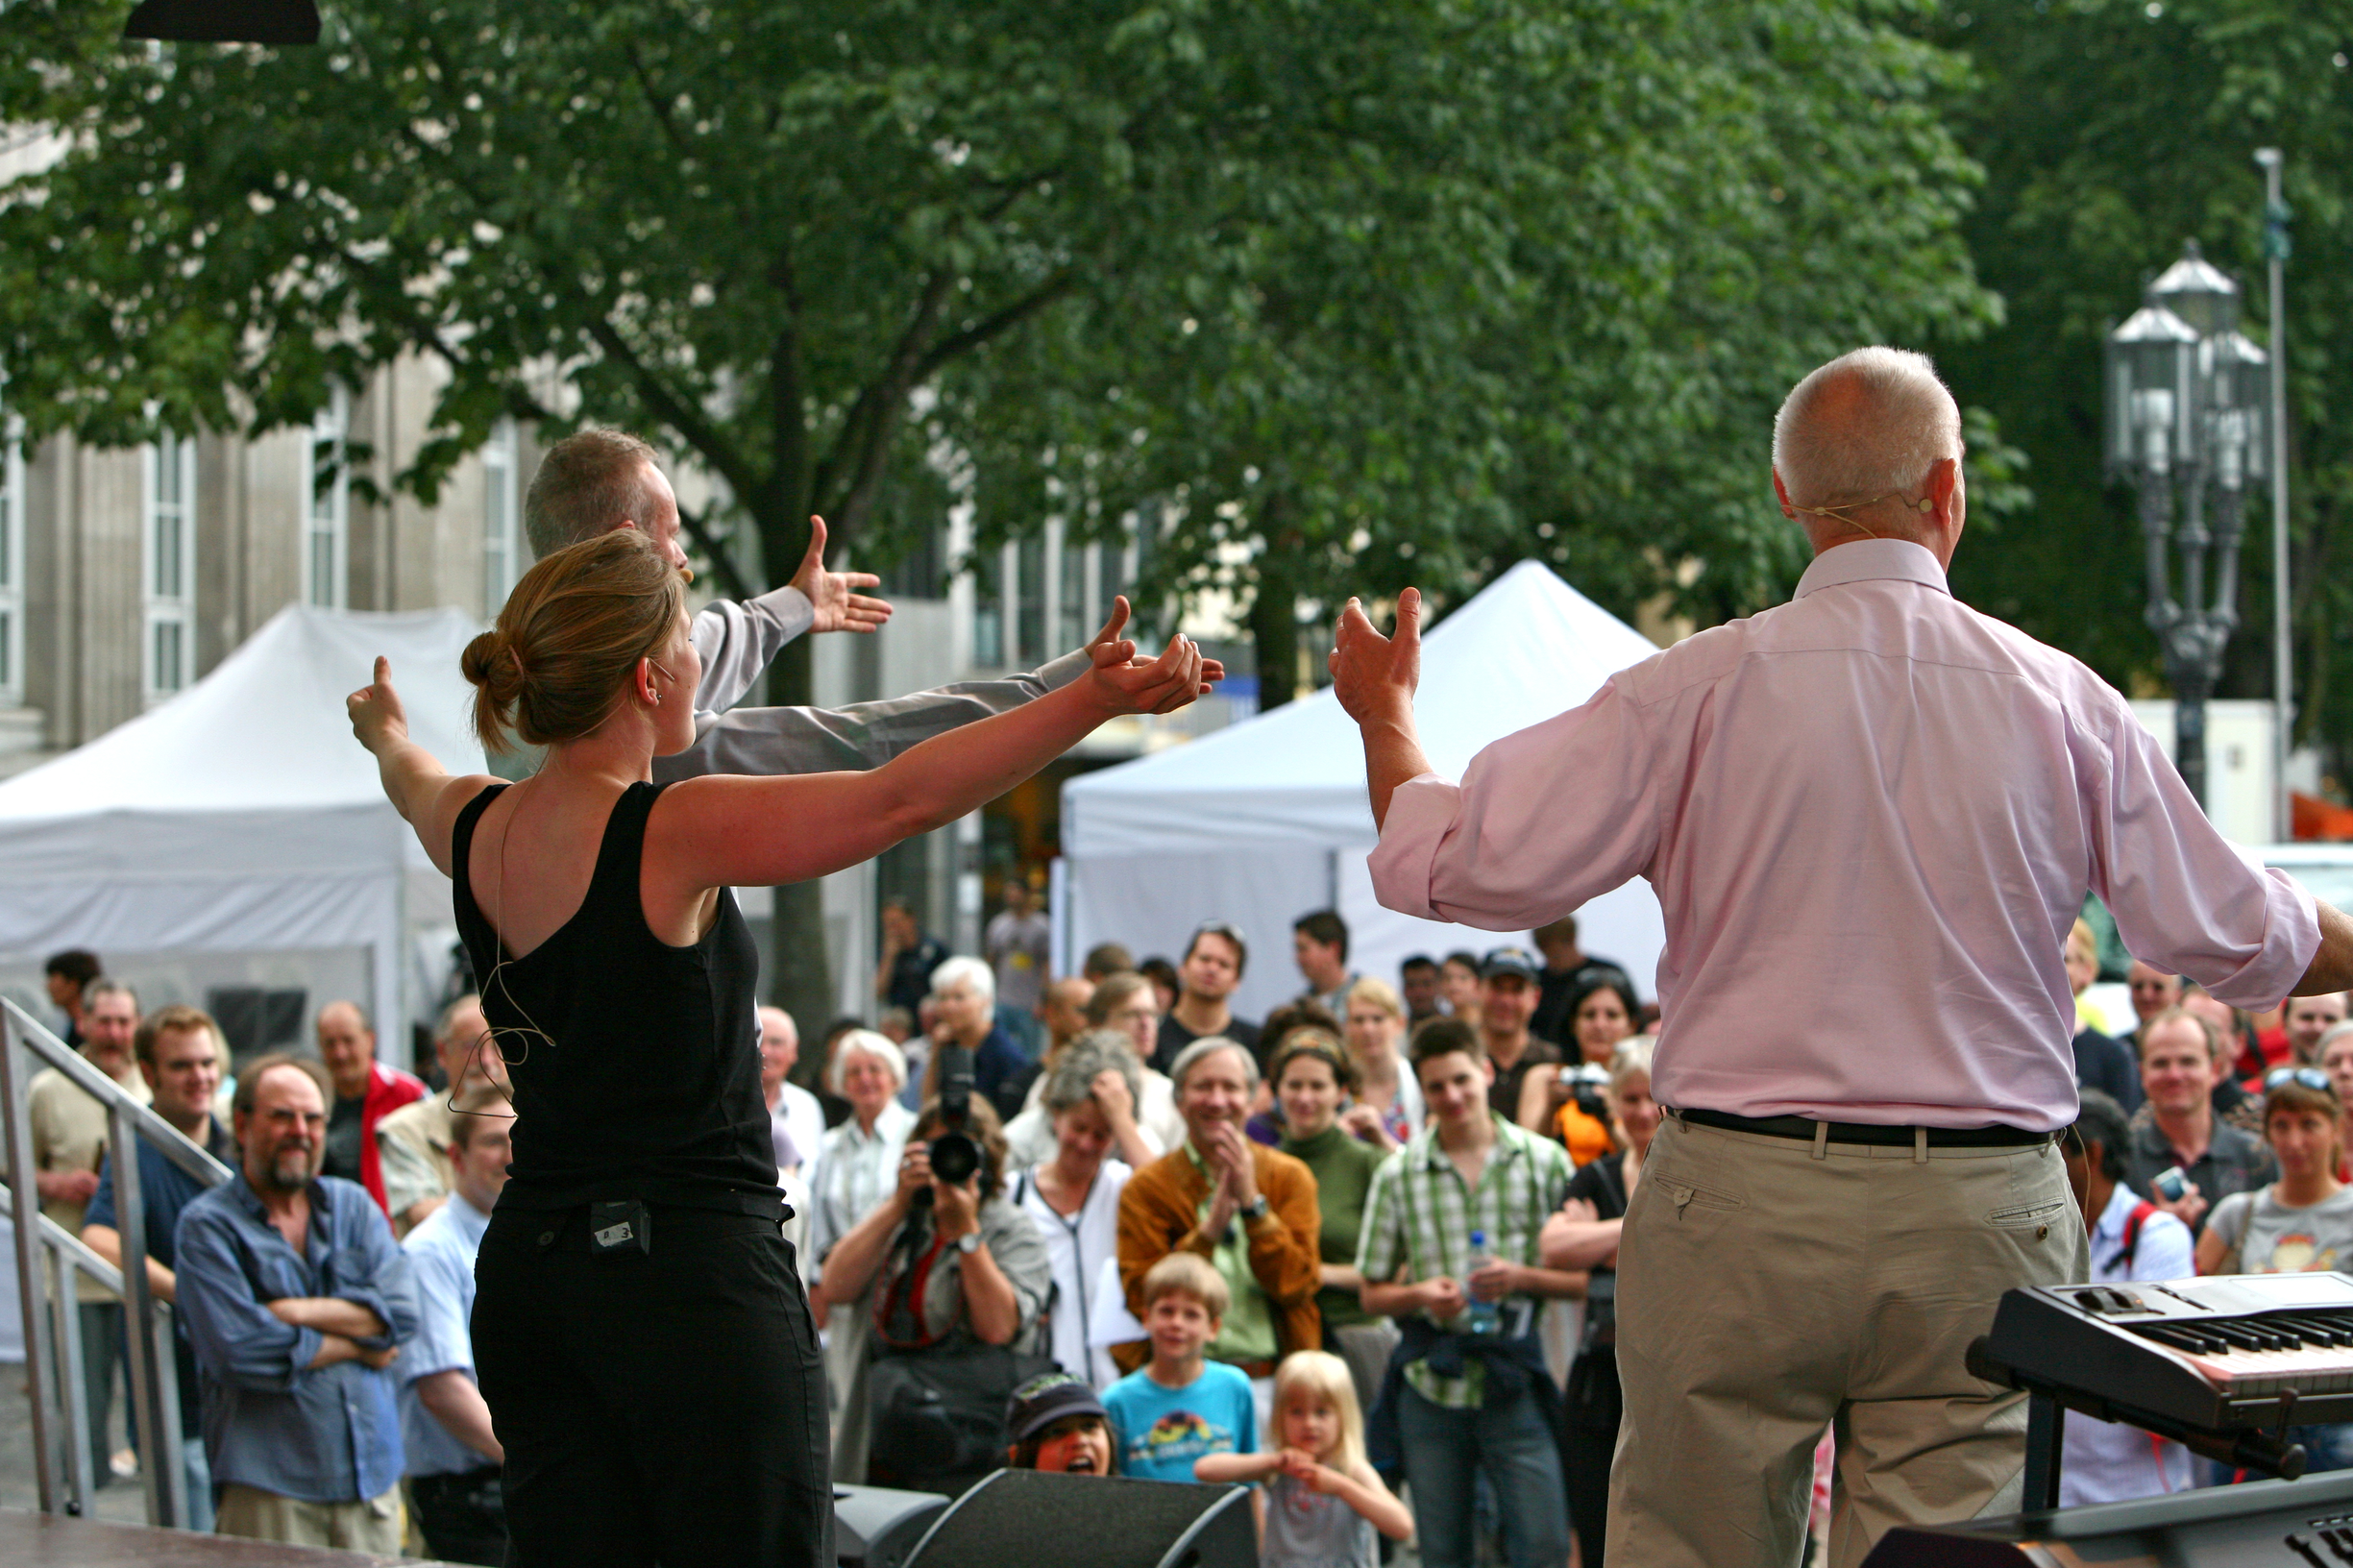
[(1073, 1196)]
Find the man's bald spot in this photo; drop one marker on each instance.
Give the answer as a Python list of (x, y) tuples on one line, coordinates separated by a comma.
[(339, 1011)]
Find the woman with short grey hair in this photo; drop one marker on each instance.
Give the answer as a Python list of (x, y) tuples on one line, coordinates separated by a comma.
[(1073, 1196)]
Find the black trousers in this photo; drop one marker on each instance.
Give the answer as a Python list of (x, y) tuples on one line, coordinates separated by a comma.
[(1591, 1410), (462, 1518), (665, 1408)]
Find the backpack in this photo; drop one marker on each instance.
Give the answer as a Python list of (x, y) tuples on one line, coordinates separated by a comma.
[(2132, 1233)]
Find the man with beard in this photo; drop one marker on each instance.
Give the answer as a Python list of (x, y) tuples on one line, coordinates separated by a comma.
[(297, 1299)]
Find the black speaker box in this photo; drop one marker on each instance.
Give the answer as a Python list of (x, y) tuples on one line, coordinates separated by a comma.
[(1032, 1519), (875, 1527)]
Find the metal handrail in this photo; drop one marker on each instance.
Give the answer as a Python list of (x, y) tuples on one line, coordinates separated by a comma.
[(61, 1415)]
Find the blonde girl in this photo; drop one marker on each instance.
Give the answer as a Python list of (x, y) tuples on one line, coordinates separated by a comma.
[(1321, 1501)]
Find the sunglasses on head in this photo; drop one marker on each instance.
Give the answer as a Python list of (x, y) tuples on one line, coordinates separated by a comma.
[(2312, 1078)]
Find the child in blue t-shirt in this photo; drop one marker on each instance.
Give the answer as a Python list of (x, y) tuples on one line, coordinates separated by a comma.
[(1181, 1405)]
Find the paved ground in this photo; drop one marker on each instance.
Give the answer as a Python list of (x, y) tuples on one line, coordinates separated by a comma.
[(123, 1503)]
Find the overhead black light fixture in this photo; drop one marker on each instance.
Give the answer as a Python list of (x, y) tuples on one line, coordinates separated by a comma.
[(225, 21)]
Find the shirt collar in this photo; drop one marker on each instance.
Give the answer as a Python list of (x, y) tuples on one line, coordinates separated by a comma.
[(1873, 561), (468, 1221), (1431, 1154)]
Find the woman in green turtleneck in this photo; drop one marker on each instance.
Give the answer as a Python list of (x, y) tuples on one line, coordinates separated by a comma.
[(1313, 1079)]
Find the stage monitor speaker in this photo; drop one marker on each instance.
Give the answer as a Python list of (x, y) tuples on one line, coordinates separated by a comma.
[(875, 1527), (1032, 1519)]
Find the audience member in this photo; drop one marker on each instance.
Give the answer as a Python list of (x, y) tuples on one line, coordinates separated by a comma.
[(1121, 1005), (964, 989), (454, 1456), (67, 976), (1319, 946), (1212, 968), (1265, 1123), (1018, 944), (2101, 1062), (2306, 1019), (366, 1092), (1061, 1015), (2177, 1129), (1584, 1235), (1249, 1211), (857, 1167), (1182, 1406), (2153, 991), (1507, 996), (1450, 1235), (2235, 1039), (796, 1121), (1600, 1014), (1389, 1108), (1056, 1424), (1032, 1135), (1072, 1195), (1313, 1077), (909, 954), (69, 1144), (2301, 1223), (951, 1275), (180, 1059), (297, 1298), (896, 1024), (1459, 985), (2337, 1060), (1165, 986), (1417, 983), (1321, 1502), (1104, 960), (412, 1144), (1566, 977), (2132, 1238)]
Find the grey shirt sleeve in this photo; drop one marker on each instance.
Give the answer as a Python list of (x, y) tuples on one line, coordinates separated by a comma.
[(736, 642), (770, 741)]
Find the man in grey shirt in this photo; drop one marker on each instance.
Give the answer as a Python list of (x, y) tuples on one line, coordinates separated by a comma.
[(597, 480)]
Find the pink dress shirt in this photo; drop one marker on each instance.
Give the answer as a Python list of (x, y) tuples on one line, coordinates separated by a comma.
[(1869, 816)]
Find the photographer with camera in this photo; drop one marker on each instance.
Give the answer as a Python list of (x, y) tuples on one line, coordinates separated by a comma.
[(961, 1280), (1572, 1105)]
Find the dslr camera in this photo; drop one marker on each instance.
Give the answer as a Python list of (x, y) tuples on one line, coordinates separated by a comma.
[(1589, 1085), (955, 1155)]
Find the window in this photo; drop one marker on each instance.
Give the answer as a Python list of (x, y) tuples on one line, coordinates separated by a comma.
[(1029, 601), (988, 613), (11, 567), (326, 518), (1078, 623), (169, 657), (501, 533)]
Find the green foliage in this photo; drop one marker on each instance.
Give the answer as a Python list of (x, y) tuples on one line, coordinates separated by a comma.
[(2110, 132)]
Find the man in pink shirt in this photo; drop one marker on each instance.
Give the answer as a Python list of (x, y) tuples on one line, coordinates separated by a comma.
[(1870, 816)]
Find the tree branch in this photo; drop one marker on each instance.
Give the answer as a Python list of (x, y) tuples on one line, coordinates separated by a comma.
[(731, 576), (972, 338)]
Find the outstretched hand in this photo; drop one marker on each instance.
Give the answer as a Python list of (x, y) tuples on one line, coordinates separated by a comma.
[(1375, 677), (375, 709), (834, 595), (1128, 684)]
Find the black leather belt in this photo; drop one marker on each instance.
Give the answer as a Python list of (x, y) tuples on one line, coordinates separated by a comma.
[(1996, 1137)]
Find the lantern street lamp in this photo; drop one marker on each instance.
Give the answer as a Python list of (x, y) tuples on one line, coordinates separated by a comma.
[(2188, 411)]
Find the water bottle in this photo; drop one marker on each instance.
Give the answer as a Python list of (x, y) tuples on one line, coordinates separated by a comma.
[(1478, 1316)]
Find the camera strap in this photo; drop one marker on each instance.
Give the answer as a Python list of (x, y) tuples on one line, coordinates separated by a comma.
[(901, 1320)]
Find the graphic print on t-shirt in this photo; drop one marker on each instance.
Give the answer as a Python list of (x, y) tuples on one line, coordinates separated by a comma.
[(1162, 1431), (2296, 1252)]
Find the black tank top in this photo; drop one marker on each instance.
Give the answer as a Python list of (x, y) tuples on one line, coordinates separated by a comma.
[(647, 1082)]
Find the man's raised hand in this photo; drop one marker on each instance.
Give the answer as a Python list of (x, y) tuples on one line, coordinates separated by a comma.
[(1129, 685), (834, 596), (1375, 677)]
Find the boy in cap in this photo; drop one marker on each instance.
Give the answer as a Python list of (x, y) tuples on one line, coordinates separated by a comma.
[(1056, 1422)]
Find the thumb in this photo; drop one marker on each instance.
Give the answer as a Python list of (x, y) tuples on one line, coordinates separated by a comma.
[(1408, 635), (813, 560), (383, 671)]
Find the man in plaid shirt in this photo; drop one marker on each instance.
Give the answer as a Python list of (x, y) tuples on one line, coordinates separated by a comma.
[(1469, 1400)]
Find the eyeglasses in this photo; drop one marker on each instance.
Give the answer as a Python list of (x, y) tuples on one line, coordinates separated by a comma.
[(2312, 1078)]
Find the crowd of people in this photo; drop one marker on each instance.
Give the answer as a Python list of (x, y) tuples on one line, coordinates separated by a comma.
[(1310, 1253)]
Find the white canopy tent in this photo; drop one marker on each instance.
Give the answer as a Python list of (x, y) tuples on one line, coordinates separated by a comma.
[(240, 816), (1260, 822)]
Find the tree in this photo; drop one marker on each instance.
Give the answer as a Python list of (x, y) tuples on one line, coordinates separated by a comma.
[(2111, 133)]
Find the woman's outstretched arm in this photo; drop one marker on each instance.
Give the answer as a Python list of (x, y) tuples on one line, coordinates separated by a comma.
[(421, 789)]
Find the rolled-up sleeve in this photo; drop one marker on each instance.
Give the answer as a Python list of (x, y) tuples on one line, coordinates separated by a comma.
[(1544, 820), (2184, 900), (383, 1280), (239, 1339)]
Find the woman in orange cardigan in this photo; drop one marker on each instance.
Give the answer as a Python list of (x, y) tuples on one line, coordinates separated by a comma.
[(1248, 1208)]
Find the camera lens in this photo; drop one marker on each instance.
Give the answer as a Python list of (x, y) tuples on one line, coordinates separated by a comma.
[(954, 1158)]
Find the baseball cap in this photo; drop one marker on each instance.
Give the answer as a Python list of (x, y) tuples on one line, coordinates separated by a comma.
[(1502, 961), (1046, 1398)]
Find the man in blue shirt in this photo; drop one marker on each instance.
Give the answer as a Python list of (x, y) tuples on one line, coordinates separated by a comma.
[(179, 1053), (297, 1299), (453, 1457)]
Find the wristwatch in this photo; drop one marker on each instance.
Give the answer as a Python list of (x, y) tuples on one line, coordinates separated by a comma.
[(969, 1243), (1255, 1210)]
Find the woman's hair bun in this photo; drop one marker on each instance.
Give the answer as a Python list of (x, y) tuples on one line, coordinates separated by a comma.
[(490, 665)]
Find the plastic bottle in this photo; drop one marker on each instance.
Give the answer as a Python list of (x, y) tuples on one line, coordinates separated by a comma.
[(1477, 1317)]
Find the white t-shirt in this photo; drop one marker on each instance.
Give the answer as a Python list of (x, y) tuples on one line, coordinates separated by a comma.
[(1078, 1245), (2103, 1461)]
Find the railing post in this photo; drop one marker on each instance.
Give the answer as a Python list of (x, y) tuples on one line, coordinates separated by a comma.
[(32, 1270), (139, 1316), (65, 1301)]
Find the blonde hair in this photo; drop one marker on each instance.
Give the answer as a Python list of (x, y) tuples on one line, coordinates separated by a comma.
[(1380, 994), (1324, 1375), (1634, 1058), (2081, 932), (559, 658), (1188, 1274)]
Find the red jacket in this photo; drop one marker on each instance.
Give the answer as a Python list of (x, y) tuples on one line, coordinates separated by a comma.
[(388, 1089)]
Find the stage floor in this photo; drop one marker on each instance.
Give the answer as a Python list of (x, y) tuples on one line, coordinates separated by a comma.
[(41, 1540)]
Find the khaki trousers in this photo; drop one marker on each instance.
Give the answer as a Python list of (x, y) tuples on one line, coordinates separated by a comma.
[(376, 1524), (1768, 1288)]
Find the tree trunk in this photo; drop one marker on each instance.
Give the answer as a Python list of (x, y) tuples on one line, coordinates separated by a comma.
[(1274, 622), (800, 974)]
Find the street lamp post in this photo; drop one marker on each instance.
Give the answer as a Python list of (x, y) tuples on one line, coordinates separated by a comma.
[(2186, 415)]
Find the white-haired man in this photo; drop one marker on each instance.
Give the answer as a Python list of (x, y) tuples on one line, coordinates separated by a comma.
[(964, 996), (1871, 816)]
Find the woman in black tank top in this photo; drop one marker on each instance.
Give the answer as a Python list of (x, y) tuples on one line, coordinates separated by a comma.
[(639, 1331)]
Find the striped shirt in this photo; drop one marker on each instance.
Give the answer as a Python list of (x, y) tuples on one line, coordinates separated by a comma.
[(1421, 1214)]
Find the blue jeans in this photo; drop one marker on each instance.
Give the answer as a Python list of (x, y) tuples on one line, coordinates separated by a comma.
[(196, 1471), (1446, 1450)]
